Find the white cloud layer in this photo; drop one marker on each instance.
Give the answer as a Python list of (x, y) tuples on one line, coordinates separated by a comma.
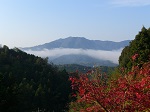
[(112, 56), (131, 3)]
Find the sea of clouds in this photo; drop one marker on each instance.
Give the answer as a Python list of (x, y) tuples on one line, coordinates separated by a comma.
[(112, 56)]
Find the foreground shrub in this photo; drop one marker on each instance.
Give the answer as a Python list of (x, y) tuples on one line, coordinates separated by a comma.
[(130, 92)]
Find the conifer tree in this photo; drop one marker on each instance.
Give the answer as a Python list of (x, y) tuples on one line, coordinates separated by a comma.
[(139, 47)]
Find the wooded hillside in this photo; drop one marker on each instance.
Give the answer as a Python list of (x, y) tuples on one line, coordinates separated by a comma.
[(29, 83)]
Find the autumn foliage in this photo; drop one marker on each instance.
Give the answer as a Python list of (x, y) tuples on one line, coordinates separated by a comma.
[(94, 92)]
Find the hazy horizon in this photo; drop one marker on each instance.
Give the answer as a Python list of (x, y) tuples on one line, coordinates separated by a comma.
[(26, 23), (58, 39)]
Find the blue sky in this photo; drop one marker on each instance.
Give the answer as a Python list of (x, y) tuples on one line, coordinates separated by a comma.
[(26, 23)]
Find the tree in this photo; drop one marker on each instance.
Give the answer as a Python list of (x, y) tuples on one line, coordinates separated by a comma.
[(139, 46), (128, 93), (29, 83)]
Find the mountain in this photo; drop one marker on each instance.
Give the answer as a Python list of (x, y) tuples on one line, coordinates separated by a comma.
[(72, 56), (81, 43), (29, 84), (81, 60)]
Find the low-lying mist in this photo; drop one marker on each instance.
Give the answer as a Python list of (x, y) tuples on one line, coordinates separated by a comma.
[(112, 56)]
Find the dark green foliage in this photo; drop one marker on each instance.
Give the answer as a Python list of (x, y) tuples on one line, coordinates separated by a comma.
[(141, 46), (84, 69), (29, 83), (74, 68)]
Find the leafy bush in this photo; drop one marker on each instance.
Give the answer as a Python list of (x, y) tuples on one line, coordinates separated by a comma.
[(130, 92)]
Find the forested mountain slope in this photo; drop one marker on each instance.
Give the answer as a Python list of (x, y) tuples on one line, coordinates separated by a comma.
[(29, 83)]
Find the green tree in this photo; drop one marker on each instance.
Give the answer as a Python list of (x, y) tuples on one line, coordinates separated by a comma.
[(29, 83), (140, 47)]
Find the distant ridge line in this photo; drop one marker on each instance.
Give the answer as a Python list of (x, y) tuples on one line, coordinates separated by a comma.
[(81, 43)]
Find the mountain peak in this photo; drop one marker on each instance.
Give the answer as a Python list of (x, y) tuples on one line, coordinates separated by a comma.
[(78, 49), (82, 43), (75, 38)]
